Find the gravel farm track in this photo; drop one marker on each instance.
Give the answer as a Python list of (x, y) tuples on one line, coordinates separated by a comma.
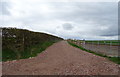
[(61, 59)]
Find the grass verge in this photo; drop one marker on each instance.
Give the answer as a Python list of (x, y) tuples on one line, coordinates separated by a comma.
[(114, 59), (9, 55)]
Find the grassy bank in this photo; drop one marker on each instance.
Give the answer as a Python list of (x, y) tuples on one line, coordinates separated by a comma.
[(22, 43), (114, 59), (32, 51)]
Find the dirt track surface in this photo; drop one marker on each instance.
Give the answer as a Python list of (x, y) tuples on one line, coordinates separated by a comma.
[(61, 59)]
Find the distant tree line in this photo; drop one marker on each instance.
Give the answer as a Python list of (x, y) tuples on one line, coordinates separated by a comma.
[(19, 40)]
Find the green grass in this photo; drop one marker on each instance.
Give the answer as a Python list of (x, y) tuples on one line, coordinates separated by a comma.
[(8, 55), (113, 42), (114, 59)]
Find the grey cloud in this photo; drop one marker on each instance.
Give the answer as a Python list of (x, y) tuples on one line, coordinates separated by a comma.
[(110, 35), (67, 26), (100, 14), (94, 15), (4, 6)]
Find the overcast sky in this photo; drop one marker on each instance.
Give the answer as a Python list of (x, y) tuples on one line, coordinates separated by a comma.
[(76, 20)]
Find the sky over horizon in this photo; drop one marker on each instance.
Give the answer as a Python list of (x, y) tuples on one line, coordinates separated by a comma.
[(75, 20)]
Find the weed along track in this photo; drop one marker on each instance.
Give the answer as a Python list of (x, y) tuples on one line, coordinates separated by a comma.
[(61, 59)]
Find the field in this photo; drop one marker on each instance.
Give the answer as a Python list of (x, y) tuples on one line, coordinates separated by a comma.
[(106, 47), (102, 42), (100, 50), (109, 42)]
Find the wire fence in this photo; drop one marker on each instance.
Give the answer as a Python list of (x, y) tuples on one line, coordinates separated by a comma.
[(109, 48)]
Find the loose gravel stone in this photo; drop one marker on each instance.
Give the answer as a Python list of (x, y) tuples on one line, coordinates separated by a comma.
[(61, 59)]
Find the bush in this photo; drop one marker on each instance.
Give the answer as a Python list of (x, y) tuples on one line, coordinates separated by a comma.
[(21, 43)]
